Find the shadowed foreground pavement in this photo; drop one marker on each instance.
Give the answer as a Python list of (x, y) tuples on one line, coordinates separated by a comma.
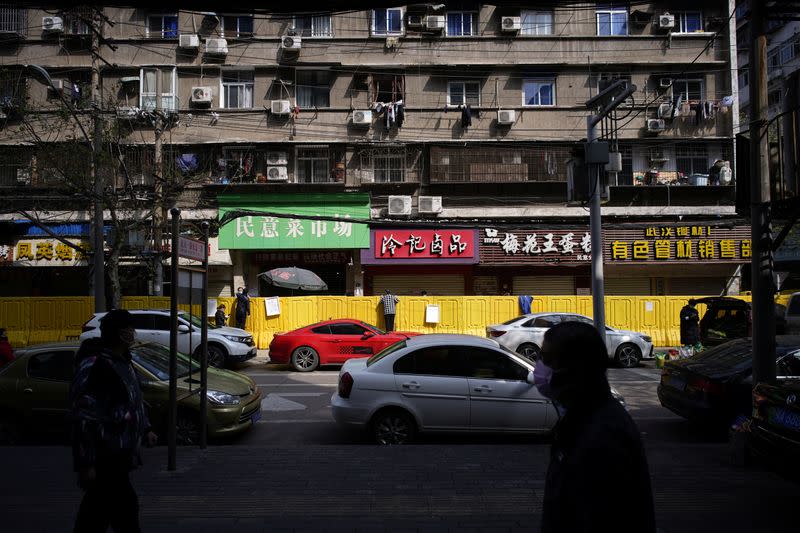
[(443, 487)]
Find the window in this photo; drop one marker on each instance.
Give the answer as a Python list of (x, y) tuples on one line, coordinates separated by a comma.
[(322, 330), (773, 60), (143, 321), (489, 364), (313, 26), (689, 21), (52, 366), (612, 20), (606, 79), (347, 329), (388, 167), (162, 323), (313, 88), (13, 20), (433, 361), (789, 51), (387, 88), (691, 159), (543, 322), (789, 365), (149, 80), (461, 24), (313, 165), (539, 92), (688, 89), (387, 21), (744, 79), (794, 307), (464, 92), (13, 88), (237, 25), (162, 26), (537, 23), (76, 22), (237, 89), (239, 163), (774, 98)]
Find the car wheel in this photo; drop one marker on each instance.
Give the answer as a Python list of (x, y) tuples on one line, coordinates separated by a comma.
[(305, 359), (216, 356), (393, 427), (187, 430), (628, 355), (529, 351)]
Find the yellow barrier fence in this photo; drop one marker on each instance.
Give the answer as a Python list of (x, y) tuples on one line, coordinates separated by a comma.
[(35, 320)]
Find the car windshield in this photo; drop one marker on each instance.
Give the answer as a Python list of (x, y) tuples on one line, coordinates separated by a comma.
[(399, 345), (155, 359), (373, 328), (195, 320), (509, 322)]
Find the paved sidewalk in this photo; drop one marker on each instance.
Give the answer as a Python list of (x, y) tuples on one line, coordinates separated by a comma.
[(442, 487)]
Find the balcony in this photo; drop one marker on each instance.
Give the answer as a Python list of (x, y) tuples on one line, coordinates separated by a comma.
[(13, 23), (518, 164)]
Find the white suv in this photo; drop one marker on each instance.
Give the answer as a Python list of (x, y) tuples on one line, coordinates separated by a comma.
[(225, 345)]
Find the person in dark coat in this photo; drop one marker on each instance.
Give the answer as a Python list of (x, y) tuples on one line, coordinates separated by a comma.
[(109, 423), (242, 308), (6, 351), (690, 328), (597, 454)]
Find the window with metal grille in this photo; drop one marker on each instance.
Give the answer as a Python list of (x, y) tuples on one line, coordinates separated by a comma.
[(237, 26), (238, 163), (237, 89), (163, 26), (78, 21), (463, 92), (313, 88), (313, 165), (13, 89), (537, 23), (13, 20), (689, 89), (387, 88), (691, 159), (461, 24), (313, 26)]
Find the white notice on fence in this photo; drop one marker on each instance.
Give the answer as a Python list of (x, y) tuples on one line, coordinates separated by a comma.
[(273, 306), (432, 314), (212, 307), (648, 306)]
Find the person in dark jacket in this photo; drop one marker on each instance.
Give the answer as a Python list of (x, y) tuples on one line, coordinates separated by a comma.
[(596, 453), (242, 308), (109, 424), (220, 318), (6, 351), (690, 328)]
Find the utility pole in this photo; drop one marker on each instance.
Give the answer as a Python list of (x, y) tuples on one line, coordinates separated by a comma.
[(98, 258), (763, 284), (160, 211)]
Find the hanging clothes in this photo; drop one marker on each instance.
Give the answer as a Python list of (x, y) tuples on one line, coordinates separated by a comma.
[(401, 114), (698, 113), (676, 105), (466, 116)]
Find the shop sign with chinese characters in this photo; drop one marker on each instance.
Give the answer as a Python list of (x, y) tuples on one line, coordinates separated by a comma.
[(292, 231), (681, 243), (47, 252), (421, 246), (521, 245)]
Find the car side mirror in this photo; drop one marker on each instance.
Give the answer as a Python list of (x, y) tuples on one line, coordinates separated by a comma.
[(183, 328), (530, 379), (368, 335)]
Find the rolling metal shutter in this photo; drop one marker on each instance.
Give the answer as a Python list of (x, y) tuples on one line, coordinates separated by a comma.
[(544, 285), (695, 286), (627, 286), (435, 284)]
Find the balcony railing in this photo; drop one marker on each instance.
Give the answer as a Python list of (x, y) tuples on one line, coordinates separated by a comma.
[(14, 21), (499, 165)]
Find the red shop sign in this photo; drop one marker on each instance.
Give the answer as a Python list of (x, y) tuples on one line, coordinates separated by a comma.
[(423, 244)]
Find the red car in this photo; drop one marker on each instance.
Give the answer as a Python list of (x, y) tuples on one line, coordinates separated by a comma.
[(332, 341)]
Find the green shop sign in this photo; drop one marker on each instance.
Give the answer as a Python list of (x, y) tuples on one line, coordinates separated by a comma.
[(274, 232)]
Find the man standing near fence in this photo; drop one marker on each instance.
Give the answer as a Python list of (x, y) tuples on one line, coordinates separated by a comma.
[(389, 302), (690, 330)]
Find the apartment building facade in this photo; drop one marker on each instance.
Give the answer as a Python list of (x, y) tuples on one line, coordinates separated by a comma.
[(449, 128)]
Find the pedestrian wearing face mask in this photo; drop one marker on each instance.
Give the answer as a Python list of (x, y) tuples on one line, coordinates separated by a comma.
[(597, 454), (109, 425)]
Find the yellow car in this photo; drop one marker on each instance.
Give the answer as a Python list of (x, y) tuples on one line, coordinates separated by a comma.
[(34, 393)]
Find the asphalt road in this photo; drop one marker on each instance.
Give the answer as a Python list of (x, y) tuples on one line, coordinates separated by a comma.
[(297, 411)]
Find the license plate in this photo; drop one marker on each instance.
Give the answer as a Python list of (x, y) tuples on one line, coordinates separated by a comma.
[(784, 418), (256, 416), (676, 382)]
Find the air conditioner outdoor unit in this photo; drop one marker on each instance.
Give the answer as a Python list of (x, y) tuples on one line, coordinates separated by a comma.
[(280, 107), (362, 118), (434, 22), (511, 24), (216, 46), (665, 82), (277, 173), (23, 175), (277, 158), (655, 124), (430, 204), (506, 116), (399, 205), (52, 24), (665, 110), (666, 21), (414, 20), (188, 40), (291, 43), (58, 85), (202, 95)]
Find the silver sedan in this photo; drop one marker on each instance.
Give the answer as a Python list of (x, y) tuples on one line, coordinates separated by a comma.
[(525, 334)]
